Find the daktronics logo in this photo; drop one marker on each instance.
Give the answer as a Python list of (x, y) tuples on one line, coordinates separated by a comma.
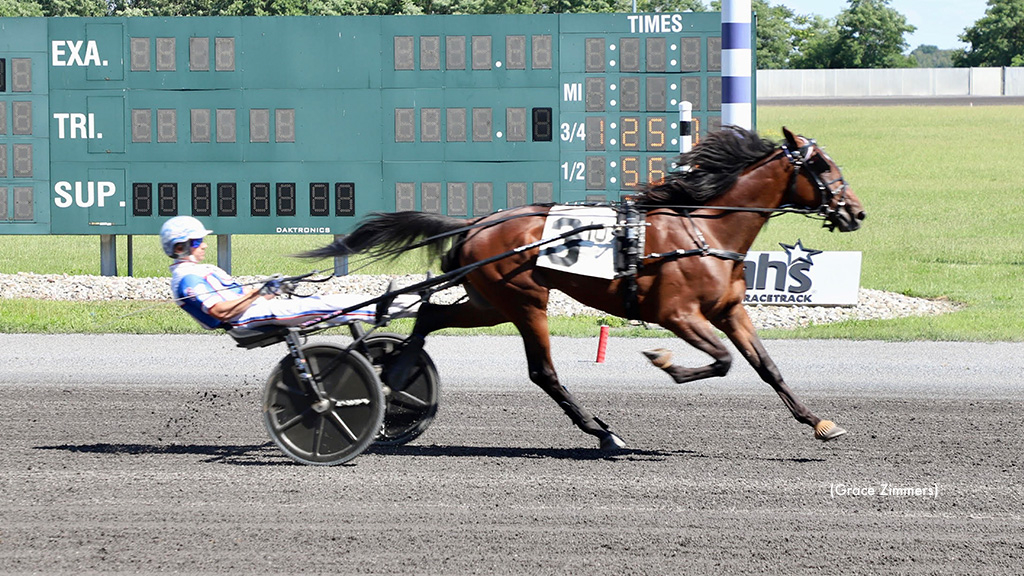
[(772, 279)]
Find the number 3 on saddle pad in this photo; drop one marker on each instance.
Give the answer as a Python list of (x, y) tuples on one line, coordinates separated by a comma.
[(591, 253)]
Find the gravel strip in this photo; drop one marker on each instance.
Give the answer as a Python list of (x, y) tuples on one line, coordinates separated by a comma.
[(874, 304)]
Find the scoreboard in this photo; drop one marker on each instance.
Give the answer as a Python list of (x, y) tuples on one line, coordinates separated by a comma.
[(304, 124)]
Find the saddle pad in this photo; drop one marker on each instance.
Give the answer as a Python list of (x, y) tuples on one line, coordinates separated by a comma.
[(591, 253)]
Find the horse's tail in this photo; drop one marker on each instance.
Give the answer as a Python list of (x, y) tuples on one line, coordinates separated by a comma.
[(386, 234)]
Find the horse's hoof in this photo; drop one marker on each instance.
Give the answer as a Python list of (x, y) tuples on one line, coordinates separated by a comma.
[(660, 357), (828, 430), (612, 443)]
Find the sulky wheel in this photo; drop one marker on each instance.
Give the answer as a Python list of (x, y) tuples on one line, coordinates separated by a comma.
[(324, 433), (409, 412)]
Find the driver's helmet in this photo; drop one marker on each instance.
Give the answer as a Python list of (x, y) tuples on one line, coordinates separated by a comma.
[(181, 229)]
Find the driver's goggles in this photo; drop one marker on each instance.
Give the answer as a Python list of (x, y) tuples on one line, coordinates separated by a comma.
[(195, 243)]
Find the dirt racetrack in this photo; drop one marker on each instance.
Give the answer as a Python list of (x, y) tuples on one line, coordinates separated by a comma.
[(114, 459)]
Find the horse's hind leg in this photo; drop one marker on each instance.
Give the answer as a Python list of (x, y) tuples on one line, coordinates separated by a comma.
[(698, 333), (738, 327), (537, 342)]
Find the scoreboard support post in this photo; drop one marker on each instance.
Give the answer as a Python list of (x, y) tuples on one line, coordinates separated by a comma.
[(224, 252), (108, 255)]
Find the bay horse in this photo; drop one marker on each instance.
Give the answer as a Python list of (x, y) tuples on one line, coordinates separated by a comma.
[(699, 224)]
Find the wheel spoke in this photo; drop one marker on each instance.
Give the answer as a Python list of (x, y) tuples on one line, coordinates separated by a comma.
[(343, 427), (282, 426), (407, 400)]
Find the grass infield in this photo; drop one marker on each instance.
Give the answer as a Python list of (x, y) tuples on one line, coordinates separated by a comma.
[(943, 188)]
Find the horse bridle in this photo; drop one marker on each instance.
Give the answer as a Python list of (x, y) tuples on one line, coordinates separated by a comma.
[(811, 160)]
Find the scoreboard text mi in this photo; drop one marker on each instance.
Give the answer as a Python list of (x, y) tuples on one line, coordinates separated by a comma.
[(302, 125)]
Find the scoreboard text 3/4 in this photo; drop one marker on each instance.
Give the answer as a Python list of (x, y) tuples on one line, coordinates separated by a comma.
[(302, 125)]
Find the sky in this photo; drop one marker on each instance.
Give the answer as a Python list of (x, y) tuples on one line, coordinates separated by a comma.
[(938, 22)]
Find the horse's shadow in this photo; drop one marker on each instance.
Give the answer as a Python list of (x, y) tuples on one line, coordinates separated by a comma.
[(266, 454)]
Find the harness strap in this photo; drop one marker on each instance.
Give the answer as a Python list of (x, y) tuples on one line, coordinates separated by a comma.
[(717, 253)]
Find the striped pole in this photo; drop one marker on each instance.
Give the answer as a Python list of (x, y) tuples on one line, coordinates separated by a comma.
[(685, 126), (736, 105)]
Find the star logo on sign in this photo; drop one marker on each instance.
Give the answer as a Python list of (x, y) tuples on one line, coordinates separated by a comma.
[(797, 252)]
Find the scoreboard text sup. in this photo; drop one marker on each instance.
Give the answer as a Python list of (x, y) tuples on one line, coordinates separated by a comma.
[(291, 125)]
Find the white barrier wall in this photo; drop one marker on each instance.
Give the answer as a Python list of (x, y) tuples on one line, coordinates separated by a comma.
[(891, 82)]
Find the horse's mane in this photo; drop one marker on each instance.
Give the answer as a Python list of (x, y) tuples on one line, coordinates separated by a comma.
[(715, 165)]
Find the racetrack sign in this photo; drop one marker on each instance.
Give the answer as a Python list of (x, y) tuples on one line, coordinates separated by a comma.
[(802, 276)]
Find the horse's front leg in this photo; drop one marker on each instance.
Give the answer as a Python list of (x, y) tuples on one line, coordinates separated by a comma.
[(738, 327)]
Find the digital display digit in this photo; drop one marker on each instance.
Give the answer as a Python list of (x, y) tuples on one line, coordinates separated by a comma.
[(689, 54), (629, 172), (430, 125), (319, 199), (224, 54), (21, 118), (405, 57), (167, 125), (689, 91), (139, 57), (483, 198), (483, 119), (430, 52), (23, 203), (629, 55), (3, 167), (714, 54), (3, 88), (455, 52), (543, 192), (3, 118), (202, 199), (142, 199), (286, 199), (543, 125), (657, 131), (595, 174), (515, 124), (629, 133), (714, 93), (629, 93), (657, 167), (457, 200), (657, 94), (594, 48), (3, 203), (21, 75), (542, 52), (199, 54), (225, 125), (22, 160), (515, 52), (405, 125), (430, 197), (284, 125), (167, 199), (345, 199), (142, 125), (515, 194), (405, 196), (200, 124), (227, 199), (594, 94), (481, 46), (656, 54), (455, 122), (595, 137), (165, 60), (259, 125)]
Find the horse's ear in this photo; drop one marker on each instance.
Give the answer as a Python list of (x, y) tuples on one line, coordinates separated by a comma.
[(790, 138)]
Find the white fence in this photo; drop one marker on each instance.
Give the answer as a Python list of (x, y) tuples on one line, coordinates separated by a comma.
[(894, 82)]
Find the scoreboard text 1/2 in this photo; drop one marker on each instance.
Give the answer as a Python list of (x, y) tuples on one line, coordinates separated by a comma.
[(303, 125)]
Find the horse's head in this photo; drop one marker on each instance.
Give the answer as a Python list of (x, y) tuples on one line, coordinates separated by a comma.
[(818, 183)]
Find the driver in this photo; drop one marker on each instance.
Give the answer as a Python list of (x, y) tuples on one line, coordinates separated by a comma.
[(216, 300)]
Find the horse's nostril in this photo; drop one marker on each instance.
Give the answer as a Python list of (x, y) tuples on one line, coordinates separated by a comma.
[(861, 215)]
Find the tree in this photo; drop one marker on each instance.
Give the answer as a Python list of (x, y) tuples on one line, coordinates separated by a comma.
[(929, 56), (997, 39), (867, 34), (816, 42), (19, 8)]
